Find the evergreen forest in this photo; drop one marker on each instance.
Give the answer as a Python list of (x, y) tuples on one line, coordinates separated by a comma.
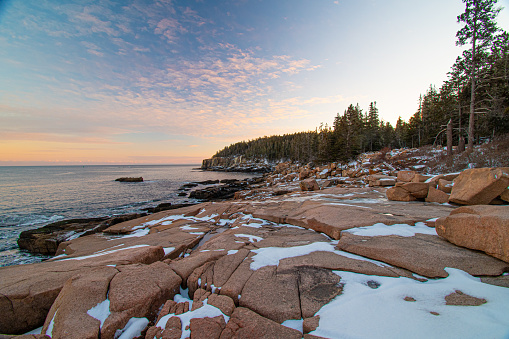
[(474, 100)]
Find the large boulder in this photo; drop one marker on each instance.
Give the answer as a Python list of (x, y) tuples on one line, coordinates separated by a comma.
[(483, 227), (445, 185), (505, 195), (418, 190), (421, 177), (436, 195), (381, 180), (406, 176), (304, 173), (479, 186), (398, 193), (309, 185)]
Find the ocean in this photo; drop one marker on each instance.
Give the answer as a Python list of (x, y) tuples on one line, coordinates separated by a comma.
[(34, 196)]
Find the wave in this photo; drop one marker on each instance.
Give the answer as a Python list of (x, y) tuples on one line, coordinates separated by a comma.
[(28, 220)]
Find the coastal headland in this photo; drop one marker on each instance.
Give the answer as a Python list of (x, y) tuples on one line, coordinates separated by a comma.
[(364, 250)]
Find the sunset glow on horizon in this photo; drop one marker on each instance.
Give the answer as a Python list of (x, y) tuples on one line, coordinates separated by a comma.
[(172, 82)]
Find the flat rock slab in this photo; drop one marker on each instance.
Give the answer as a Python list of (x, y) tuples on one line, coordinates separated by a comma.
[(28, 291), (152, 219), (481, 227), (274, 296), (328, 214), (337, 262), (175, 238), (423, 254), (208, 212)]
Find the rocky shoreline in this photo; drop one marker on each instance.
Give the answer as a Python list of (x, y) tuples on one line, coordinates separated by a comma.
[(305, 252), (45, 240)]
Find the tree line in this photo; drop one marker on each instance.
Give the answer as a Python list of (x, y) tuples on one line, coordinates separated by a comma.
[(474, 100)]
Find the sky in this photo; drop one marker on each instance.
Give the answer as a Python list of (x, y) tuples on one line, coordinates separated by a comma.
[(172, 82)]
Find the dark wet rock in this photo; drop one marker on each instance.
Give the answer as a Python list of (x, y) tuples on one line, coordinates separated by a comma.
[(226, 191), (189, 185), (207, 182), (45, 240), (128, 179), (165, 206)]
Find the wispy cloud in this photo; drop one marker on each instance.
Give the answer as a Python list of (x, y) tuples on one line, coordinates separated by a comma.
[(147, 82)]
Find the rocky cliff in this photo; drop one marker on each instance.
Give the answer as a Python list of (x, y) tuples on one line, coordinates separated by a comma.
[(236, 164)]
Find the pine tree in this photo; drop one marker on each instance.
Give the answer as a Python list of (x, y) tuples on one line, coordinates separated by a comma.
[(480, 27), (373, 128)]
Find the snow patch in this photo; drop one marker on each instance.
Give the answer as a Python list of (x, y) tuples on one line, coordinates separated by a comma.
[(137, 233), (402, 230), (270, 256), (206, 311), (49, 331), (35, 331), (101, 311), (295, 324), (168, 250), (363, 312), (252, 238), (169, 219), (132, 329), (223, 222)]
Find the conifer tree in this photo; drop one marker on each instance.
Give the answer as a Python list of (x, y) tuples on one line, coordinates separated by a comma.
[(478, 31), (373, 128)]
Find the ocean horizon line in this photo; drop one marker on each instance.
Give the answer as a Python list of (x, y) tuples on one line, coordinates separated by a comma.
[(99, 164)]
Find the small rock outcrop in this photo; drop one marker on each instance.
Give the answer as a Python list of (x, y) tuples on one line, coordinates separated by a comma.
[(129, 179)]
